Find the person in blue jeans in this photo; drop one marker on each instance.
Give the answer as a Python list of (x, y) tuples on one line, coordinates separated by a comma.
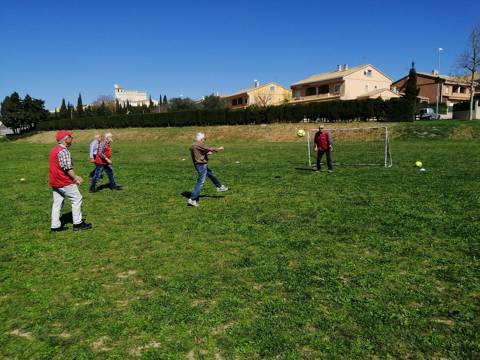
[(103, 161), (199, 152)]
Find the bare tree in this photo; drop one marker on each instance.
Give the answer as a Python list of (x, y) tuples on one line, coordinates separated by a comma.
[(262, 99), (469, 61)]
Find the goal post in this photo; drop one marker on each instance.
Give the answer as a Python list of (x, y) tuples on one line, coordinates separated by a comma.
[(362, 146)]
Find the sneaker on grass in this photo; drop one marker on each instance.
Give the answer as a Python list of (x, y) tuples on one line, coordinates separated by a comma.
[(82, 226), (61, 228), (222, 188), (191, 202)]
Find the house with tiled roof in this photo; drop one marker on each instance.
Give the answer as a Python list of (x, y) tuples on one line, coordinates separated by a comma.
[(260, 95), (344, 83), (450, 90)]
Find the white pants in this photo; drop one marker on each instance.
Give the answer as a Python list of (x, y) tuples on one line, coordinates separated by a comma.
[(72, 193)]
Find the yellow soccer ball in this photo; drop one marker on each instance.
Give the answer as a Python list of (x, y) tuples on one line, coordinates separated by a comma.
[(301, 133), (418, 164)]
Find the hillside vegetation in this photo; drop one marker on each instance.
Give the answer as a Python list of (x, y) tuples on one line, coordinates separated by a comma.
[(272, 132)]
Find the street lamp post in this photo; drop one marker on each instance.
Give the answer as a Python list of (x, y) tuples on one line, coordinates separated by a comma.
[(438, 81)]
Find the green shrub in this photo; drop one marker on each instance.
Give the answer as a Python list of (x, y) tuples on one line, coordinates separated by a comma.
[(331, 111)]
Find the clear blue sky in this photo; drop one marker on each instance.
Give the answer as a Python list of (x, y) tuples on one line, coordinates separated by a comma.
[(54, 49)]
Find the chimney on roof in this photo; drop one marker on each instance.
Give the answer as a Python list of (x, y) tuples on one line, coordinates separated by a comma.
[(256, 83), (345, 66), (435, 72), (339, 67)]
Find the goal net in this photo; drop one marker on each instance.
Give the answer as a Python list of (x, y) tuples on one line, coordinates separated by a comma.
[(369, 146)]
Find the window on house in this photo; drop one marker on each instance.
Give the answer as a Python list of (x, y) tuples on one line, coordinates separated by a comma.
[(310, 91), (324, 89), (297, 93), (368, 73), (234, 102), (272, 89), (336, 89)]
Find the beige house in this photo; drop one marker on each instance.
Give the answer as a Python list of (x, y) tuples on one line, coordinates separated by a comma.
[(359, 82), (260, 95)]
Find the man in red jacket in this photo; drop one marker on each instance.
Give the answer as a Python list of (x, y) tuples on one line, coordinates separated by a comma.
[(323, 145), (64, 181), (103, 161)]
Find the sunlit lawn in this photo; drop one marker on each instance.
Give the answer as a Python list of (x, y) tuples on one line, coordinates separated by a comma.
[(361, 263)]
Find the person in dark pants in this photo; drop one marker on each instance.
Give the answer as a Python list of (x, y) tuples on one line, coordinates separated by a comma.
[(323, 145), (199, 152), (103, 161), (93, 151)]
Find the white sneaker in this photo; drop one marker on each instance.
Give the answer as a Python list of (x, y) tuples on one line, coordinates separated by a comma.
[(222, 188), (191, 202)]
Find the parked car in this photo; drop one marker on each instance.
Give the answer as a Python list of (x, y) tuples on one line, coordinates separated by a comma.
[(427, 113)]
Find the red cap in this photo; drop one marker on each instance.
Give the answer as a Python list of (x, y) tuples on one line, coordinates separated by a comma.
[(62, 133)]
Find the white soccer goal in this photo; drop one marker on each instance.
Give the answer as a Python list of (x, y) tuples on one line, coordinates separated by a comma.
[(368, 146)]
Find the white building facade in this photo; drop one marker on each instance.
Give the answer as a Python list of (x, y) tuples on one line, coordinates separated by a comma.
[(134, 97)]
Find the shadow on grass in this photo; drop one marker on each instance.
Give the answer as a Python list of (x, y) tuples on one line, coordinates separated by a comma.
[(187, 194), (103, 187), (305, 169), (66, 218)]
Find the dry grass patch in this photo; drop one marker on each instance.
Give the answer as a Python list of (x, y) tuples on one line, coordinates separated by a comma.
[(444, 322), (221, 329), (267, 132), (465, 133), (100, 345), (138, 350), (22, 334), (127, 274), (197, 302)]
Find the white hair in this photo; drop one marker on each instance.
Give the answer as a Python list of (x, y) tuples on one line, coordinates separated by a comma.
[(200, 136), (108, 136)]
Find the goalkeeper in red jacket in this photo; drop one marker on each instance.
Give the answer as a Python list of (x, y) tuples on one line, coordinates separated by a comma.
[(323, 145)]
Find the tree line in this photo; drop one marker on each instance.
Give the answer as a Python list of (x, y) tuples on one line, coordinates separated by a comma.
[(106, 105), (22, 115)]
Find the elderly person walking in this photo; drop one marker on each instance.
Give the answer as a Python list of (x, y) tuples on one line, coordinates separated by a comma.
[(103, 161), (64, 181), (199, 152), (93, 150)]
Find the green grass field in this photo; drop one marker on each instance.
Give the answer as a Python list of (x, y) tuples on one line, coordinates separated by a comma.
[(289, 264)]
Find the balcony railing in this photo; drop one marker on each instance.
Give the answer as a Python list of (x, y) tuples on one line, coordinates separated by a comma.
[(317, 97), (458, 96)]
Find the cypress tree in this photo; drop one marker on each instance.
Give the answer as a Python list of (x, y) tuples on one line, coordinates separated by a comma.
[(411, 90), (71, 110), (63, 112), (160, 100), (165, 101), (79, 106), (411, 93)]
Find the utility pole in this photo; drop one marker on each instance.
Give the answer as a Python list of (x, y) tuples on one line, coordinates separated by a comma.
[(438, 81)]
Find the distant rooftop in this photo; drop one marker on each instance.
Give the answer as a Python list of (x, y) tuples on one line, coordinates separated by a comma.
[(339, 73)]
